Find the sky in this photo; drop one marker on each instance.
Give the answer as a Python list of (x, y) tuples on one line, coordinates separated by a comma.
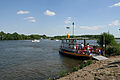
[(51, 17)]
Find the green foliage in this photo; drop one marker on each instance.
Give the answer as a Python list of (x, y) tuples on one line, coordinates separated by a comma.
[(2, 35), (16, 36), (113, 50), (82, 65), (63, 73), (65, 36), (112, 47), (89, 62), (75, 69), (90, 36), (109, 38)]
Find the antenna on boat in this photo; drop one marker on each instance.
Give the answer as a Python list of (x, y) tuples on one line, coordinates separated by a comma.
[(73, 29), (68, 35)]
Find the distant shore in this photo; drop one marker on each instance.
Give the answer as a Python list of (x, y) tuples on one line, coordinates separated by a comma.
[(99, 70)]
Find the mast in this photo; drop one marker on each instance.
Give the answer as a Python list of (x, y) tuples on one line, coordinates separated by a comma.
[(73, 29)]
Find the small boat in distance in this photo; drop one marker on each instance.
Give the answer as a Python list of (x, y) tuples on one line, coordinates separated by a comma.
[(41, 38), (35, 40), (56, 40)]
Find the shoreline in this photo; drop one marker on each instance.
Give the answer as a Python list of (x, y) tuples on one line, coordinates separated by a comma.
[(99, 70)]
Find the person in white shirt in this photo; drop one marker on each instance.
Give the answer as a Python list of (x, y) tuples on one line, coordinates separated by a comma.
[(82, 46)]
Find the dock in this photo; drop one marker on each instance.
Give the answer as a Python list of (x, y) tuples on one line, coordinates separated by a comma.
[(98, 57)]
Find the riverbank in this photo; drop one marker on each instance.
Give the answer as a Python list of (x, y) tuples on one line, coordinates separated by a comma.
[(99, 70)]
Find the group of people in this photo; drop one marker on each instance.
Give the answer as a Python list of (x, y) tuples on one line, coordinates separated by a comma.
[(82, 46)]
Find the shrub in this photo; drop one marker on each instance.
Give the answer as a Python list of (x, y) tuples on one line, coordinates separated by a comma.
[(63, 73), (85, 64), (113, 50), (76, 69), (112, 47), (89, 62), (81, 66), (109, 38)]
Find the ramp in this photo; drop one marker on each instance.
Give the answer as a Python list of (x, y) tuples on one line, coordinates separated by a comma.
[(98, 57)]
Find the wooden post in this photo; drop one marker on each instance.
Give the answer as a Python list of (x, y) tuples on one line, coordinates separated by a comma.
[(103, 45), (73, 29), (84, 42)]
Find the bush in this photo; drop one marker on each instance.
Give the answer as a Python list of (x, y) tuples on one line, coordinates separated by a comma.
[(109, 38), (112, 48), (89, 62), (82, 65), (75, 69), (63, 73)]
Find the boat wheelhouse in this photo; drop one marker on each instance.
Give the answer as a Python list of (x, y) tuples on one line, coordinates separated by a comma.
[(74, 47)]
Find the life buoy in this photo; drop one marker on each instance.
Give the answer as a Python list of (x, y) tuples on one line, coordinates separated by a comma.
[(79, 52), (84, 52)]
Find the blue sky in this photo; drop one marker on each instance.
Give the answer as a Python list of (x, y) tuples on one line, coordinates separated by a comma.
[(51, 17)]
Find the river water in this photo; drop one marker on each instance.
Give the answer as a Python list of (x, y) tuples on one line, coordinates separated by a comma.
[(24, 60)]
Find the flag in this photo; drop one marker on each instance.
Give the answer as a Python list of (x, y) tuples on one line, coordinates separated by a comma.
[(73, 23), (67, 27)]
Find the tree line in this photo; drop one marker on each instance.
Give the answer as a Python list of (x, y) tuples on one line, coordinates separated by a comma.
[(16, 36), (79, 36)]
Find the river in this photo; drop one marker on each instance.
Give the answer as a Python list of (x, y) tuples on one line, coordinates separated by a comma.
[(24, 60)]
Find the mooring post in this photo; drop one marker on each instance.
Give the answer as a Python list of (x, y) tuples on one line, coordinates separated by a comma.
[(103, 45), (84, 42), (73, 29)]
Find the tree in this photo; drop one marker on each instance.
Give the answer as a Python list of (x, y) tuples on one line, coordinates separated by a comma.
[(16, 36), (44, 36), (112, 47), (109, 39), (2, 35)]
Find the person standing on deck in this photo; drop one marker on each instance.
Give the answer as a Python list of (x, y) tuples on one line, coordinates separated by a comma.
[(88, 46), (88, 49), (81, 45)]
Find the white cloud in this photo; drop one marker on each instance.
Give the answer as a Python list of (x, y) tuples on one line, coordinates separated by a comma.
[(115, 23), (23, 12), (68, 20), (91, 27), (31, 19), (115, 5), (49, 13)]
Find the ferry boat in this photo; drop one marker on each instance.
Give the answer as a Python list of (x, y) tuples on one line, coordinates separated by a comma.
[(74, 47)]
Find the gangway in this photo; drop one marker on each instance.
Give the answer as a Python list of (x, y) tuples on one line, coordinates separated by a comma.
[(98, 57)]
